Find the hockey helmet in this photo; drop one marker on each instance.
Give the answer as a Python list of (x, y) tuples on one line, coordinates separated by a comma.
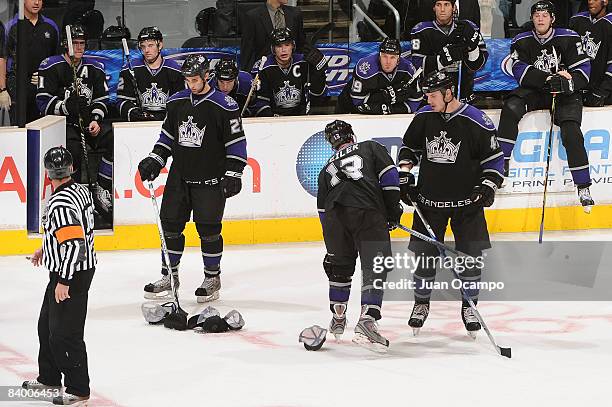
[(390, 46), (438, 80), (203, 20), (226, 69), (150, 33), (450, 1), (116, 33), (281, 36), (543, 5), (195, 64), (77, 31), (58, 163), (339, 132)]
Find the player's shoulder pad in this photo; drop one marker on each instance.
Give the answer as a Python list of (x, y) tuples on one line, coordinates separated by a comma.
[(522, 36), (270, 61), (423, 110), (473, 24), (582, 14), (87, 60), (422, 26), (171, 64), (297, 58), (137, 62), (367, 66), (245, 80), (222, 100), (51, 61), (565, 32), (477, 116), (406, 65), (608, 18), (181, 94)]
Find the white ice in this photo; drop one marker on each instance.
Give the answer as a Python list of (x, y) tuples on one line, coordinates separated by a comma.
[(561, 350)]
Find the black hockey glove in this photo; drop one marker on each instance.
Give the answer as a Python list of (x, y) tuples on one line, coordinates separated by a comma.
[(231, 183), (394, 216), (139, 115), (75, 105), (467, 35), (407, 185), (149, 168), (395, 94), (451, 54), (483, 194), (315, 58), (595, 98), (374, 108), (559, 84)]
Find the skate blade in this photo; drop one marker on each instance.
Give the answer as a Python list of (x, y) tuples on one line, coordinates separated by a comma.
[(364, 342), (207, 298), (415, 331), (587, 209), (472, 334), (162, 295), (338, 337)]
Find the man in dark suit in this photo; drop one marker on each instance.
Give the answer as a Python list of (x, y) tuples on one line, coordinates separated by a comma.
[(423, 10), (259, 23)]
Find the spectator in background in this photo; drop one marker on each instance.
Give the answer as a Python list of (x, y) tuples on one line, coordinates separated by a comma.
[(258, 25), (419, 11), (382, 83), (289, 80), (42, 41), (5, 98)]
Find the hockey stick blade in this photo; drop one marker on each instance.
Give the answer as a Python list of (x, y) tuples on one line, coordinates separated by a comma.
[(434, 242)]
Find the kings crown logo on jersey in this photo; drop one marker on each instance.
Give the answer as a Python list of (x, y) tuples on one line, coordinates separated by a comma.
[(154, 98), (442, 150), (590, 46), (83, 90), (189, 133), (547, 62), (288, 96)]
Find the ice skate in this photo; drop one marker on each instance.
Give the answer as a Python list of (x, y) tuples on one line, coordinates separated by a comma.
[(160, 289), (209, 290), (472, 325), (102, 199), (587, 202), (338, 321), (67, 399), (418, 317), (45, 393), (367, 336)]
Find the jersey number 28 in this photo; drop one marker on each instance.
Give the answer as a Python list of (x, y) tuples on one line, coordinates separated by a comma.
[(350, 167)]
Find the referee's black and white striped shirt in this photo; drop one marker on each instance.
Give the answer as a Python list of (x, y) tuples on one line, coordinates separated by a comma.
[(68, 242)]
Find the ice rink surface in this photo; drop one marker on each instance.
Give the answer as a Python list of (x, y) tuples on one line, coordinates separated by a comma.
[(561, 350)]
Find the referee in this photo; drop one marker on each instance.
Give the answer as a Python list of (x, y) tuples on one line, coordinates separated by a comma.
[(68, 253)]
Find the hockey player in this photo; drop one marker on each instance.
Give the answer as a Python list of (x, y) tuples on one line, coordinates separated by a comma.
[(288, 80), (460, 168), (544, 62), (237, 84), (382, 83), (595, 28), (142, 92), (450, 44), (203, 133), (85, 107), (358, 199)]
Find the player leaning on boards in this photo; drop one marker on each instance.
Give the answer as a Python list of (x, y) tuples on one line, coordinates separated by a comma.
[(68, 253), (203, 133), (382, 83), (146, 84), (288, 80), (595, 28), (460, 169), (545, 62), (358, 198)]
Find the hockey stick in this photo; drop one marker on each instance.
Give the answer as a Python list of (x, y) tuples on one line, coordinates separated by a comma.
[(507, 352), (80, 118), (253, 85), (433, 241), (548, 154), (160, 229), (126, 52)]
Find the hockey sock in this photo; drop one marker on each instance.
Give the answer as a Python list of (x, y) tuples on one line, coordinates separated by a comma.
[(470, 278), (422, 286), (577, 158), (212, 250), (339, 293), (105, 174), (176, 244)]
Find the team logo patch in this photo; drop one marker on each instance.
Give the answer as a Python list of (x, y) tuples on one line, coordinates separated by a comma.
[(589, 45), (154, 98), (47, 34), (486, 120), (230, 101), (364, 67), (83, 90), (547, 62), (494, 143), (288, 96), (190, 135), (442, 150)]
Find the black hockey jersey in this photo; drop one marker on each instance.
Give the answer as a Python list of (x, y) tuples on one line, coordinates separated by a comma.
[(369, 79), (360, 175), (532, 60), (204, 135), (596, 37), (55, 83), (154, 87), (428, 39), (283, 91), (242, 86), (453, 153)]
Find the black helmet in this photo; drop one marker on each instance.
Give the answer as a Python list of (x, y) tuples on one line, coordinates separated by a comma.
[(150, 33), (390, 46), (77, 31), (280, 36), (339, 132), (438, 80), (195, 64), (543, 5), (226, 69), (116, 33), (203, 20), (451, 1), (58, 163)]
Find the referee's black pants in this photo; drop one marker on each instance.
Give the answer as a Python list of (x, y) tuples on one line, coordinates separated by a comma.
[(60, 334)]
